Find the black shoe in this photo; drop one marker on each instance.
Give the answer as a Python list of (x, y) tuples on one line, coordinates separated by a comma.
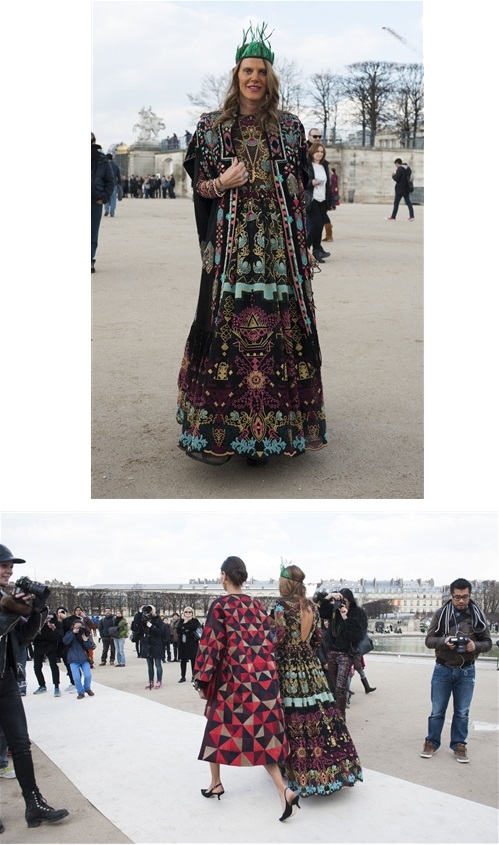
[(318, 257), (1, 826), (38, 811), (324, 253), (93, 269), (208, 793), (257, 462), (213, 460), (182, 681), (289, 807)]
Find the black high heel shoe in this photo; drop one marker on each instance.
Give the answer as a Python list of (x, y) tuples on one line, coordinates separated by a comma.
[(289, 811), (208, 793)]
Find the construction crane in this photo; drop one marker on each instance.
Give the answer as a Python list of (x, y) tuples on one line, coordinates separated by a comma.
[(403, 40)]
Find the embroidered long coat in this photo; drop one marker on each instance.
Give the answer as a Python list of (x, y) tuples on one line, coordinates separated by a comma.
[(250, 379)]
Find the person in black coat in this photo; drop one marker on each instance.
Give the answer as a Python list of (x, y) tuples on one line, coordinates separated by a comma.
[(152, 644), (401, 176), (318, 199), (102, 182), (187, 641), (46, 645), (347, 625)]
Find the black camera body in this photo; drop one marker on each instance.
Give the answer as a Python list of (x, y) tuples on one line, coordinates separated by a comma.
[(320, 595), (460, 641), (40, 591)]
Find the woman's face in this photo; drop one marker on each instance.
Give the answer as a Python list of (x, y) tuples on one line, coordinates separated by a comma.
[(318, 155), (252, 76)]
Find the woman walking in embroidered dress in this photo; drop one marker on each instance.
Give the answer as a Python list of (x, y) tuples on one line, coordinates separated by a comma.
[(250, 382), (236, 674), (322, 757)]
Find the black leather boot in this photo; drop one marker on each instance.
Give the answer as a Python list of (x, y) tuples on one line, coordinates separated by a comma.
[(38, 811), (365, 684)]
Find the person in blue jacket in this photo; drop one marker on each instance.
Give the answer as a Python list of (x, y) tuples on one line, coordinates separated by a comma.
[(80, 642)]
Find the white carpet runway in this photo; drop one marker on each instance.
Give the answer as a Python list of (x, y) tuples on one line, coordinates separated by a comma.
[(136, 761)]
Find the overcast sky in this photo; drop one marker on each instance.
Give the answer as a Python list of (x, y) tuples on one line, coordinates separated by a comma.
[(164, 548), (154, 52)]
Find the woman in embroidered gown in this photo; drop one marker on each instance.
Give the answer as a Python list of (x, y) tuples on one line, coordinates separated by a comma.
[(322, 756), (236, 674), (250, 381)]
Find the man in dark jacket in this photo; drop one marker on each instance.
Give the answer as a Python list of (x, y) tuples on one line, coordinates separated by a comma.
[(102, 188), (110, 206), (45, 645), (458, 632), (105, 624), (22, 616), (401, 177)]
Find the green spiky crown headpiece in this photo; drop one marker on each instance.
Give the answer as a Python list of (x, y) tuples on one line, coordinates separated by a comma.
[(258, 46)]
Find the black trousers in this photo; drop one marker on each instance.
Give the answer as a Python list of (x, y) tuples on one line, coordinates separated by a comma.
[(15, 728), (317, 215), (108, 644), (38, 664)]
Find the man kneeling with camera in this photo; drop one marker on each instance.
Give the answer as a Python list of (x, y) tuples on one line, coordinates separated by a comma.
[(22, 615), (458, 632)]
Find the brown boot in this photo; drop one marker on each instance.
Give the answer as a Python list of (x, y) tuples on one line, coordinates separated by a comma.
[(329, 232)]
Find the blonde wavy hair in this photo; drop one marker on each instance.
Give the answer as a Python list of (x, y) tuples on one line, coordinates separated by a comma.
[(269, 113), (293, 585)]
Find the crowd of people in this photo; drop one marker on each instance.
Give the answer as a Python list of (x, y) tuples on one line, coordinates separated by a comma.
[(275, 681), (150, 186)]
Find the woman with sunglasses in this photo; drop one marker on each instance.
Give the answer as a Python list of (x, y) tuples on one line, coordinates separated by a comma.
[(187, 641)]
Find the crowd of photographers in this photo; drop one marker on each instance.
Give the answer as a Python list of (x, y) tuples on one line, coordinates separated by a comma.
[(458, 633)]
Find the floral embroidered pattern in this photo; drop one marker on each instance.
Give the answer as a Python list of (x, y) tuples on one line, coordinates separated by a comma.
[(256, 389)]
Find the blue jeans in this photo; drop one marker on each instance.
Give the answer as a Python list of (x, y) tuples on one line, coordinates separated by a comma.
[(87, 676), (151, 663), (461, 684), (110, 206), (95, 222), (407, 198), (119, 644)]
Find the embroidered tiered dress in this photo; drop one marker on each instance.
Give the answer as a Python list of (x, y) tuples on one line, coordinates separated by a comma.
[(245, 722), (250, 380), (322, 757)]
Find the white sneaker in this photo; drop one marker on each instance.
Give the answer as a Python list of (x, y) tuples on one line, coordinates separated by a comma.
[(71, 688), (7, 772)]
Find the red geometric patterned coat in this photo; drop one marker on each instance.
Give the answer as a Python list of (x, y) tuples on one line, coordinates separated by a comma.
[(245, 721)]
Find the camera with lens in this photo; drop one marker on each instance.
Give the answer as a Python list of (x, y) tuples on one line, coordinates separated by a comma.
[(82, 631), (40, 591), (460, 641)]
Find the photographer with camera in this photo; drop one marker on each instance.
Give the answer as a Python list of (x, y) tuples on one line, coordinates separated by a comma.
[(458, 632), (46, 645), (79, 642), (22, 616), (347, 625), (152, 644)]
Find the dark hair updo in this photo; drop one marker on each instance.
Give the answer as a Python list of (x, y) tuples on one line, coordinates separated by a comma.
[(235, 569)]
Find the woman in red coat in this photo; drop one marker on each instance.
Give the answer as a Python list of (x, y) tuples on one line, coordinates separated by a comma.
[(237, 675)]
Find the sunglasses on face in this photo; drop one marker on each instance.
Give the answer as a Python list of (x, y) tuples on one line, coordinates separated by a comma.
[(316, 136)]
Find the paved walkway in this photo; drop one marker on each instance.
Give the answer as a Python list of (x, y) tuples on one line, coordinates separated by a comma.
[(369, 300), (125, 764)]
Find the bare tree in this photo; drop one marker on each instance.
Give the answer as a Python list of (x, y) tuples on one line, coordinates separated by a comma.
[(369, 87), (211, 94), (325, 90), (407, 107), (486, 595), (290, 85)]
